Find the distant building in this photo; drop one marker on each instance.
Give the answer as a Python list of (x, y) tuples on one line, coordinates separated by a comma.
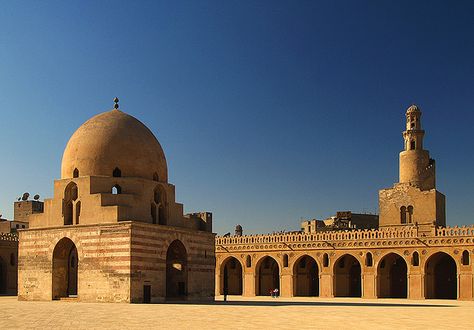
[(343, 220)]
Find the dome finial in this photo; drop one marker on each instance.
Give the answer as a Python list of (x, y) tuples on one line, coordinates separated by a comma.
[(116, 101)]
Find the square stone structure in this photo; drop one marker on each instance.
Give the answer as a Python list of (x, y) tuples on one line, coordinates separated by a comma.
[(112, 231)]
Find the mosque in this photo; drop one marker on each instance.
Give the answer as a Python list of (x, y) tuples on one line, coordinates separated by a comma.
[(113, 232), (411, 254)]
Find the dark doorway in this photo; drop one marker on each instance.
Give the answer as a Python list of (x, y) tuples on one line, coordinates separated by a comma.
[(147, 294), (65, 269), (268, 276), (231, 271), (347, 277), (176, 271), (392, 277), (441, 277), (306, 277)]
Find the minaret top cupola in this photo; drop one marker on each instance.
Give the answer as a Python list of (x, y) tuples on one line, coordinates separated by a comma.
[(413, 135)]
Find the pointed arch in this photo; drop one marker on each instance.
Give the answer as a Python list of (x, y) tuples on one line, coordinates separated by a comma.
[(392, 277), (231, 277), (347, 277), (65, 269), (441, 277), (116, 190), (75, 173), (176, 271), (267, 276), (306, 277)]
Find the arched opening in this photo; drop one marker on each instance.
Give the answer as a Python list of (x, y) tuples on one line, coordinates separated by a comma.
[(117, 173), (441, 277), (155, 177), (65, 266), (368, 260), (70, 196), (306, 277), (412, 145), (248, 261), (392, 277), (78, 212), (285, 260), (325, 260), (465, 258), (176, 271), (415, 259), (116, 190), (75, 173), (3, 276), (231, 277), (403, 214), (410, 213), (347, 277), (159, 198), (267, 277)]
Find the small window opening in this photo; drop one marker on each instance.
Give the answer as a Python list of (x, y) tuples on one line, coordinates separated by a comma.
[(412, 145), (285, 260), (116, 190), (155, 177), (248, 262), (403, 214), (78, 212), (410, 213), (465, 258), (117, 173), (415, 259), (325, 260), (75, 173), (368, 259)]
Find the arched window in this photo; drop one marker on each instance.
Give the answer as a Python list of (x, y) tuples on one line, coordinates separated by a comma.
[(410, 213), (465, 258), (78, 212), (12, 259), (248, 262), (412, 145), (70, 196), (368, 259), (75, 173), (415, 259), (159, 198), (403, 214), (155, 177), (285, 260), (116, 190), (117, 173), (325, 260)]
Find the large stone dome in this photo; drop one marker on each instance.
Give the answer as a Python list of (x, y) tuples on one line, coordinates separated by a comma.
[(114, 140)]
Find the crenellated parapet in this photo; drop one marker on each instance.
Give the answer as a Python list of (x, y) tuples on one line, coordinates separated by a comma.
[(408, 236), (8, 237)]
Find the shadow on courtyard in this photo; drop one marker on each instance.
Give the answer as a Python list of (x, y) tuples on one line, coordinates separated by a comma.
[(306, 303)]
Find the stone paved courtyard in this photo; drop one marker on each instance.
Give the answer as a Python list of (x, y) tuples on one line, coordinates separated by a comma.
[(239, 313)]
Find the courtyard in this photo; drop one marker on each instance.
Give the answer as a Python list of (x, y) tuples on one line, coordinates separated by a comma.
[(241, 313)]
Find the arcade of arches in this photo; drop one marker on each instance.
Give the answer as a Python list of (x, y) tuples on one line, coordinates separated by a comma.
[(394, 273)]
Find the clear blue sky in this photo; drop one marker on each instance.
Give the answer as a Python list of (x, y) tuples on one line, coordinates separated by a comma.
[(268, 111)]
